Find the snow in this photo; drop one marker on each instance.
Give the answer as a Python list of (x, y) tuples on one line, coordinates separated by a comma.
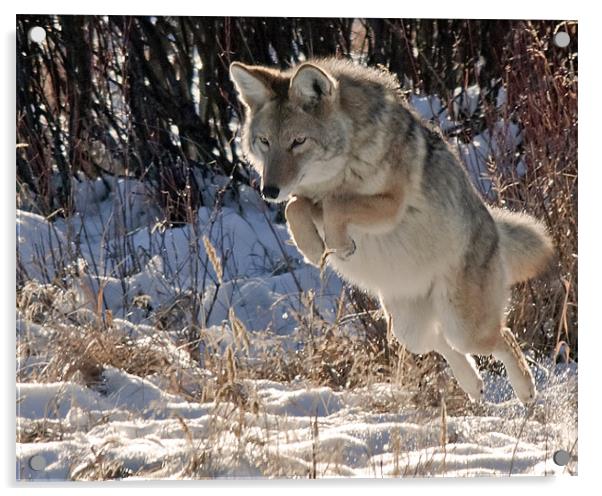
[(115, 260), (134, 422), (41, 248), (498, 145), (466, 100), (124, 254)]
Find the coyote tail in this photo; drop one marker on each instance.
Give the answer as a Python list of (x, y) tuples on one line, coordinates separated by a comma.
[(525, 244)]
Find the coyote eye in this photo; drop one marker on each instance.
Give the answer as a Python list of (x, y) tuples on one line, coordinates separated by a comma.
[(264, 141), (298, 141)]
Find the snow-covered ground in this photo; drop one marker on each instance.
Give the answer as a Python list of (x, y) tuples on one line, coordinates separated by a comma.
[(234, 273), (288, 430)]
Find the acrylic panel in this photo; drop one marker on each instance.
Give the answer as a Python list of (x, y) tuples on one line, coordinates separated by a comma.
[(295, 247)]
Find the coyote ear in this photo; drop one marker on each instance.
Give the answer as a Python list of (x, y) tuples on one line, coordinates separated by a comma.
[(251, 83), (310, 84)]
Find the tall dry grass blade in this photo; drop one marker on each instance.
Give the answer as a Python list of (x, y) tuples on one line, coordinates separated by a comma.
[(213, 258)]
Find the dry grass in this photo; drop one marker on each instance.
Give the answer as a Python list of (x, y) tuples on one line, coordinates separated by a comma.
[(541, 81), (100, 466), (80, 345), (40, 431), (238, 425)]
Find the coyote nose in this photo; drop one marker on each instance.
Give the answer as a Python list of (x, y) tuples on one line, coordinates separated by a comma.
[(270, 192)]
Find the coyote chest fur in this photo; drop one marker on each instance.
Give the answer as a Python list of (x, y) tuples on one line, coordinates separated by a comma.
[(388, 204)]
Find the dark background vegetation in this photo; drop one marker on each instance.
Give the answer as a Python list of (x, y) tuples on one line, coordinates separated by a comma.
[(151, 98)]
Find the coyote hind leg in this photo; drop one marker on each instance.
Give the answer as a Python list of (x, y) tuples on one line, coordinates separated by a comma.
[(463, 367), (491, 338), (414, 326), (519, 374), (471, 312)]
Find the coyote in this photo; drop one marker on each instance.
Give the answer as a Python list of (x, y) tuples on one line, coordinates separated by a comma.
[(386, 198)]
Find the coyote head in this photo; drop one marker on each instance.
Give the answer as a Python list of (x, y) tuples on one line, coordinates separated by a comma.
[(293, 131)]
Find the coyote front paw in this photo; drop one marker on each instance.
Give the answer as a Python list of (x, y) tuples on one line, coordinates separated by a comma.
[(312, 251), (342, 251)]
